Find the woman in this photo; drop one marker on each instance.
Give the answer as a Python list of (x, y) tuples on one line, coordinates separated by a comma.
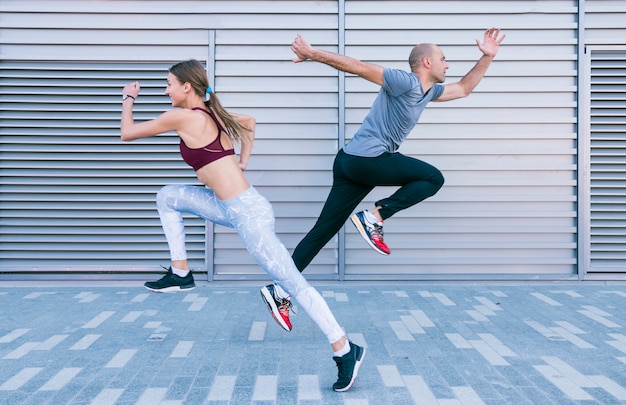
[(207, 133)]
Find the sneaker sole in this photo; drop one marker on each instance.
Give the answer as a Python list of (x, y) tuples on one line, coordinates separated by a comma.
[(363, 232), (271, 306), (357, 365), (170, 289)]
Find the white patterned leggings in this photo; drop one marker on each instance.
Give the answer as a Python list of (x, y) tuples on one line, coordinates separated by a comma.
[(252, 216)]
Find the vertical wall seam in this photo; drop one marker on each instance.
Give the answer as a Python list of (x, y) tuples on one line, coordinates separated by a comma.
[(583, 205), (209, 258), (341, 124)]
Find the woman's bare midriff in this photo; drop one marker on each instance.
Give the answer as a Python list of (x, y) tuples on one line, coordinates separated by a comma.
[(224, 177)]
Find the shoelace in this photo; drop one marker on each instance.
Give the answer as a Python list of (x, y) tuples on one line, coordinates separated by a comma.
[(344, 372), (376, 232), (285, 306)]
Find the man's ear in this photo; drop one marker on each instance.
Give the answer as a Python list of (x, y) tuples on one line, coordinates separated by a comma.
[(426, 62)]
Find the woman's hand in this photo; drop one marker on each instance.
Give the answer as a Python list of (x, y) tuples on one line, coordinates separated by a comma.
[(132, 89)]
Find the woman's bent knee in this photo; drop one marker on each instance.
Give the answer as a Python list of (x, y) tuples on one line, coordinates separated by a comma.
[(166, 193)]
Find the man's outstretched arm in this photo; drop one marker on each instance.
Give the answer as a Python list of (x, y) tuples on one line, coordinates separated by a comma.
[(368, 71), (468, 83)]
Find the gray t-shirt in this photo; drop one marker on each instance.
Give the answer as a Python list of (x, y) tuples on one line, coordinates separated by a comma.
[(394, 113)]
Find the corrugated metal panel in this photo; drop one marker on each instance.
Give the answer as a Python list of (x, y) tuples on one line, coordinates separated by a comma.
[(603, 104), (608, 161), (105, 194), (507, 152), (296, 136), (74, 197), (605, 22)]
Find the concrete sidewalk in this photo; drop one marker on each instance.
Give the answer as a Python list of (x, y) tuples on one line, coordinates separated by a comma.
[(427, 343)]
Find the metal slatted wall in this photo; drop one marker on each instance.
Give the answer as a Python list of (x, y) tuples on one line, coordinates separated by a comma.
[(74, 198), (507, 152), (296, 130), (604, 234)]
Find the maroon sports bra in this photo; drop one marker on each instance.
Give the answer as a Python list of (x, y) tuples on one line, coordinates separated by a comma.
[(200, 157)]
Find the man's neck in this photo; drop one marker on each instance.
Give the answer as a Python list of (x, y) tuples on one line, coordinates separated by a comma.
[(425, 81)]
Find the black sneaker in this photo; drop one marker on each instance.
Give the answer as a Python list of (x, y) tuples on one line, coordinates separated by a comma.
[(348, 366), (171, 282)]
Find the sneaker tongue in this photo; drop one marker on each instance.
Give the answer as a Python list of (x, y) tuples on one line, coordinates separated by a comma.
[(371, 218)]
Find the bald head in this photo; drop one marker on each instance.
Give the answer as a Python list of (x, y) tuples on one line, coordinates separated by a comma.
[(419, 52)]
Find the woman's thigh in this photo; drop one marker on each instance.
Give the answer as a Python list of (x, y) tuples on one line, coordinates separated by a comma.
[(197, 200)]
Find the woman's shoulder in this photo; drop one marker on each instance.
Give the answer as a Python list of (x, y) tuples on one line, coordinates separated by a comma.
[(179, 111), (180, 115)]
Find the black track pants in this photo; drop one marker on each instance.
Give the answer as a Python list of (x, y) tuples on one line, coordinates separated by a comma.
[(353, 178)]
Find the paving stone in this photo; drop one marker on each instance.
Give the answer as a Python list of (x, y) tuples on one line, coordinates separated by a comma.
[(89, 343)]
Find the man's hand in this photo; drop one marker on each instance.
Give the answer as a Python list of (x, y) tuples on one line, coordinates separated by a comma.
[(301, 48), (491, 42)]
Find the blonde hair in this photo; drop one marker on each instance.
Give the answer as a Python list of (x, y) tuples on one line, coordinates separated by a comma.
[(192, 72)]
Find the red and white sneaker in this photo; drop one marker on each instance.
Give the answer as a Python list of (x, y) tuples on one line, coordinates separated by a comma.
[(278, 306), (371, 232)]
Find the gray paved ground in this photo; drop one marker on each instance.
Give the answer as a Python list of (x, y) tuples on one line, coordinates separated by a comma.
[(85, 343)]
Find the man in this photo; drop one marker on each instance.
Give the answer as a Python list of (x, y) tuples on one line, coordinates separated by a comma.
[(370, 158)]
